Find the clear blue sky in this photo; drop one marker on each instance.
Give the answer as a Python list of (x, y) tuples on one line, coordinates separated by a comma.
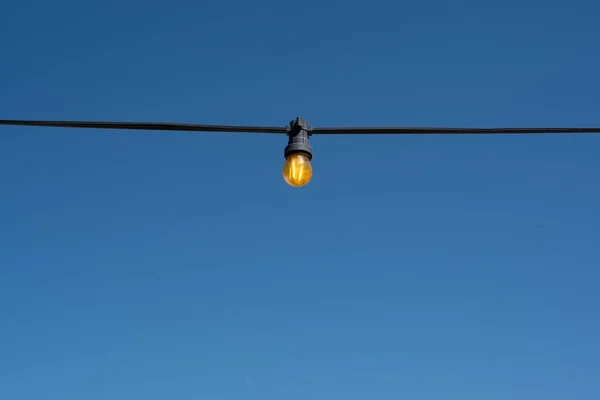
[(180, 266)]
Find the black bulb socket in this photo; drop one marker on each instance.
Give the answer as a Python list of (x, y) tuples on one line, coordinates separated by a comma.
[(299, 132)]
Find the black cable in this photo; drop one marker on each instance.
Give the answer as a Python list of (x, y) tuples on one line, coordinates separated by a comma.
[(448, 131), (162, 126), (148, 126)]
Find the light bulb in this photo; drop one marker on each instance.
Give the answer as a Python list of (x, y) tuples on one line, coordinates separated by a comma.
[(297, 170)]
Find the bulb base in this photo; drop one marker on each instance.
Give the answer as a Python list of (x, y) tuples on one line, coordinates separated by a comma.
[(297, 149)]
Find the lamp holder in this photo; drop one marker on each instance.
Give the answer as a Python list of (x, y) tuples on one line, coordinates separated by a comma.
[(299, 132)]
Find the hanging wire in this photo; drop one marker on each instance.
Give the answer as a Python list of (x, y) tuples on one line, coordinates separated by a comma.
[(163, 126)]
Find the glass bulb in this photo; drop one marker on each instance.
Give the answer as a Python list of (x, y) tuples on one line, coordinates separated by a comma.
[(297, 170)]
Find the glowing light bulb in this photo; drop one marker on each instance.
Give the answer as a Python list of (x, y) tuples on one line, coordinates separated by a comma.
[(297, 170)]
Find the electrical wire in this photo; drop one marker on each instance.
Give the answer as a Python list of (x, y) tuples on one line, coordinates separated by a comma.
[(162, 126), (448, 131), (146, 126)]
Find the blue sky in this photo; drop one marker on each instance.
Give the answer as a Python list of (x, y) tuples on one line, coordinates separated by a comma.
[(180, 266)]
